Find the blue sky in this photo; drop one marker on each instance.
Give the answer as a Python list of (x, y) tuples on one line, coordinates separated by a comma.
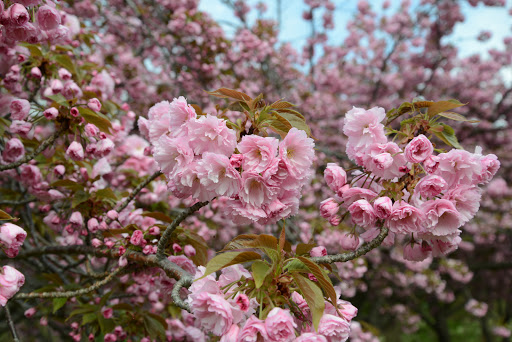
[(295, 30)]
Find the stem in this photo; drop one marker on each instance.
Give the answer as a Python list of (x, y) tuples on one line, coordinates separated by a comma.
[(38, 150), (164, 240), (329, 259), (11, 324), (175, 294), (69, 294)]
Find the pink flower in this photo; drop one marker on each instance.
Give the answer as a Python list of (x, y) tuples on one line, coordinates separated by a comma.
[(233, 274), (318, 251), (30, 312), (466, 199), (17, 15), (107, 312), (416, 251), (441, 217), (384, 160), (254, 330), (243, 302), (64, 74), (19, 109), (418, 149), (51, 113), (430, 186), (159, 120), (94, 104), (458, 167), (10, 282), (383, 207), (328, 208), (405, 219), (91, 130), (189, 250), (212, 312), (218, 176), (363, 127), (431, 164), (180, 112), (210, 134), (280, 325), (353, 194), (335, 177), (13, 151), (310, 337), (362, 213), (75, 151), (490, 165), (110, 337), (347, 310), (47, 18), (20, 127), (231, 335), (171, 153), (11, 238), (137, 237), (334, 328), (258, 152), (445, 244), (297, 153), (350, 242), (103, 148), (478, 309), (36, 72), (76, 219), (255, 190)]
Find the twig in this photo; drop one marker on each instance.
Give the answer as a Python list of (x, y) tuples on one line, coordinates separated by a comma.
[(69, 294), (13, 203), (329, 259), (38, 150), (164, 240), (175, 294), (11, 324), (135, 192)]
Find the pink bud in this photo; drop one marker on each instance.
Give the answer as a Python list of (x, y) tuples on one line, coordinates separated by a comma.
[(59, 170), (137, 237), (190, 251), (19, 109), (30, 312), (107, 312), (13, 151), (64, 74), (176, 248), (382, 207), (318, 251), (75, 151), (74, 112), (350, 242), (48, 18), (418, 149), (112, 214), (328, 208), (335, 220), (96, 242), (93, 225), (51, 113), (94, 104), (76, 219), (335, 177), (18, 15), (36, 72), (154, 230)]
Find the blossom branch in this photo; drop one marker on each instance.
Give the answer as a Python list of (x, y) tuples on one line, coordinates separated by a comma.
[(38, 150), (69, 294), (11, 324), (329, 259), (164, 240)]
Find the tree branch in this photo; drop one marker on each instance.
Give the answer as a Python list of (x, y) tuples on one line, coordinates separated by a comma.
[(329, 259), (164, 240), (11, 324), (175, 294), (38, 150)]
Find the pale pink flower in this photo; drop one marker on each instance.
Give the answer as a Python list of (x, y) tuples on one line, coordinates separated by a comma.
[(458, 167), (334, 328), (180, 112), (231, 335), (189, 251), (466, 199), (212, 312), (335, 177), (431, 164), (476, 308), (218, 176), (384, 160), (430, 186), (171, 153), (297, 153), (501, 331), (94, 104), (137, 237), (311, 337), (442, 218), (383, 207), (13, 150), (442, 245), (362, 213), (255, 189), (346, 309), (405, 219), (75, 151), (350, 242), (328, 208), (280, 325), (232, 274), (76, 219), (47, 17), (254, 330), (418, 149), (490, 165), (416, 251), (11, 238), (19, 109), (353, 194), (363, 127), (159, 122), (258, 152), (210, 134), (17, 15), (318, 251), (10, 282), (51, 113)]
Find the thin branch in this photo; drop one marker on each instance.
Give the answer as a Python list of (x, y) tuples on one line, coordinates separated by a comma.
[(69, 294), (11, 324), (14, 203), (135, 192), (164, 240), (175, 294), (38, 150), (329, 259)]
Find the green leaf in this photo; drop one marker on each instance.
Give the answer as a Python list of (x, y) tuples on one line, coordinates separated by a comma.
[(79, 197), (106, 325), (259, 272), (58, 303), (35, 51), (154, 327), (296, 122), (66, 183), (323, 280), (5, 216), (82, 310), (313, 296), (227, 259), (442, 106), (96, 119), (59, 99), (303, 248), (89, 318), (159, 216), (448, 136), (65, 62), (106, 193), (456, 117), (294, 264)]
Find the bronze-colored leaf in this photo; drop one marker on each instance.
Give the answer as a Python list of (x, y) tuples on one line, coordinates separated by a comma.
[(226, 93)]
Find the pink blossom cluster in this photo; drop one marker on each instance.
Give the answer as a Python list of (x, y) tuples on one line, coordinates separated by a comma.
[(11, 239), (219, 308), (445, 197), (260, 177)]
